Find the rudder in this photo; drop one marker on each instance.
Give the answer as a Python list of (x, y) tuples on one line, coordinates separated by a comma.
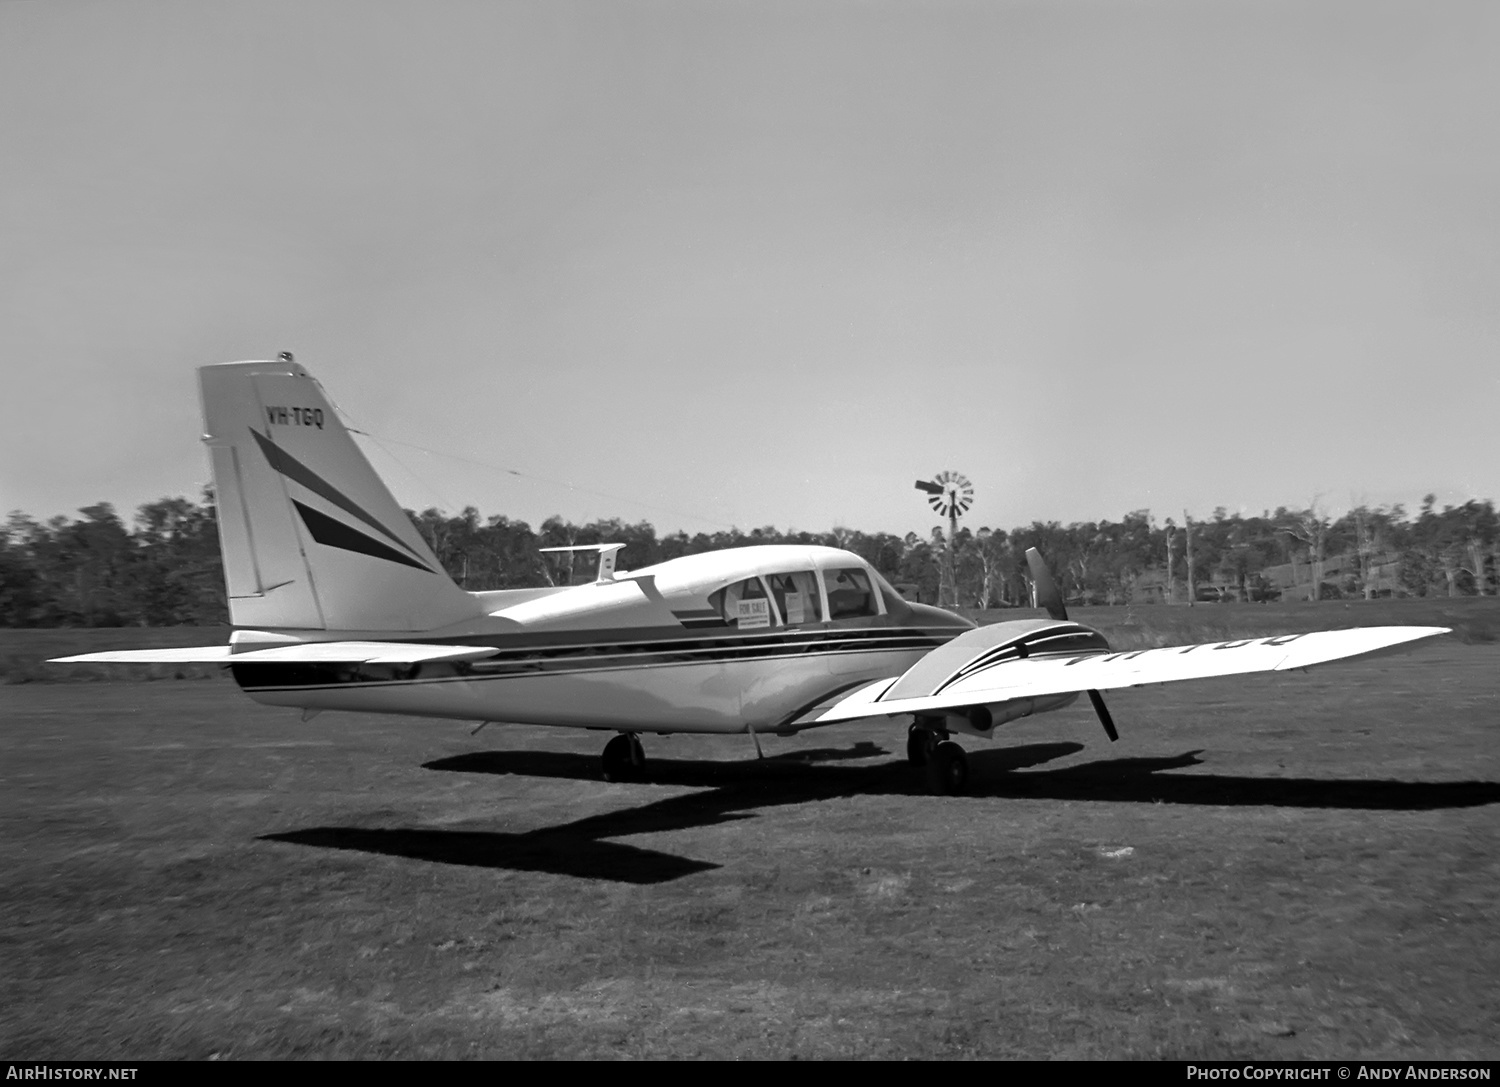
[(311, 537)]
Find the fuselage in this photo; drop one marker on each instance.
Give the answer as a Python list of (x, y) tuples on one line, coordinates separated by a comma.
[(746, 639)]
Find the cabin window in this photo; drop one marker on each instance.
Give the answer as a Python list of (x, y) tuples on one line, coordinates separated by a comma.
[(850, 594), (744, 605), (797, 597)]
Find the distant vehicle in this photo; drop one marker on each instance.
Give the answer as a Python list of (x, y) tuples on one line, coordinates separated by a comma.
[(339, 604), (1262, 591)]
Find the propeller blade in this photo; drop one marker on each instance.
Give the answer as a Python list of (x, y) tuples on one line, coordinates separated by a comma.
[(1104, 718), (1047, 595)]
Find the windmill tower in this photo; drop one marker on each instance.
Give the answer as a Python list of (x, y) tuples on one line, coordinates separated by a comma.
[(951, 495)]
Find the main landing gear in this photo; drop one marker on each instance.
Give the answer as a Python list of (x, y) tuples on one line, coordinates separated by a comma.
[(624, 758), (946, 765)]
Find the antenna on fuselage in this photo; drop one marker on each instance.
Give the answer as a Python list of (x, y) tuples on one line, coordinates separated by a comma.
[(608, 553)]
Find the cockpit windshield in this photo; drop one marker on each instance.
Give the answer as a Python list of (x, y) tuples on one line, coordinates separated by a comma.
[(850, 593), (895, 603)]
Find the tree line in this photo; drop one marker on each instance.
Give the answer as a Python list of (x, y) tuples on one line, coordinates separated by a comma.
[(162, 568)]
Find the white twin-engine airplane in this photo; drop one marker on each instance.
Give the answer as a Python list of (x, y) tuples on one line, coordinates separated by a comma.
[(339, 604)]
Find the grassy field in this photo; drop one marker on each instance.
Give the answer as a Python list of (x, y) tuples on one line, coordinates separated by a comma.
[(1269, 867), (24, 653)]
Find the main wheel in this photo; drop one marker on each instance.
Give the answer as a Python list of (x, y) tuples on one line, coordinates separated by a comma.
[(920, 743), (947, 769), (624, 759)]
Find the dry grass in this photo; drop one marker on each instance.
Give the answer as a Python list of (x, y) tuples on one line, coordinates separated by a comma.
[(24, 653), (1275, 867)]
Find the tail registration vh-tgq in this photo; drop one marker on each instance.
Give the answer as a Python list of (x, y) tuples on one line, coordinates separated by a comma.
[(339, 604)]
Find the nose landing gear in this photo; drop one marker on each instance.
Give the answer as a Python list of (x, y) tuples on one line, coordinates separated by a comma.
[(921, 742), (624, 758), (947, 770), (946, 765)]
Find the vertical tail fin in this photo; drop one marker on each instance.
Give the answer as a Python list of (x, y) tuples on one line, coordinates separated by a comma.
[(311, 537)]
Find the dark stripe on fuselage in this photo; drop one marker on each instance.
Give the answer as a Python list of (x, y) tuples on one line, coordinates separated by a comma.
[(562, 659)]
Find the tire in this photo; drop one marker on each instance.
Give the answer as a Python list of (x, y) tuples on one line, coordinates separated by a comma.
[(947, 770), (920, 743), (623, 759)]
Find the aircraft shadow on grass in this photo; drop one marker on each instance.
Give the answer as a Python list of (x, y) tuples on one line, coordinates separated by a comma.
[(732, 791)]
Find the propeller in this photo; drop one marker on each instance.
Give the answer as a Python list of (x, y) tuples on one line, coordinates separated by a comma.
[(1048, 596), (1104, 718)]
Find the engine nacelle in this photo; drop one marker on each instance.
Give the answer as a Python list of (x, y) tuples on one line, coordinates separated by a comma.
[(984, 719)]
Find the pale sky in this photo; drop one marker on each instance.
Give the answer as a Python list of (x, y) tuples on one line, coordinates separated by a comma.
[(765, 263)]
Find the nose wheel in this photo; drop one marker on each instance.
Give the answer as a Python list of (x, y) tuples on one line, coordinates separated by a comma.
[(921, 742), (624, 758), (947, 770), (943, 762)]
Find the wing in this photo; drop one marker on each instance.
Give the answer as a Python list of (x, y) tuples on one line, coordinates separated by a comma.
[(1037, 676), (307, 652)]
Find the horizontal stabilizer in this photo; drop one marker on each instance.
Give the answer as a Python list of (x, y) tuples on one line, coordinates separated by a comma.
[(1037, 676), (198, 654), (305, 653)]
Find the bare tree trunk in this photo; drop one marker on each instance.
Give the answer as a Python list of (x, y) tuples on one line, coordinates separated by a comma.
[(1366, 544), (1322, 546), (1192, 582), (1311, 529), (1476, 556), (1171, 585)]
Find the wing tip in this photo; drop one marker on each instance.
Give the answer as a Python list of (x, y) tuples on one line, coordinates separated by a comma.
[(206, 654)]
